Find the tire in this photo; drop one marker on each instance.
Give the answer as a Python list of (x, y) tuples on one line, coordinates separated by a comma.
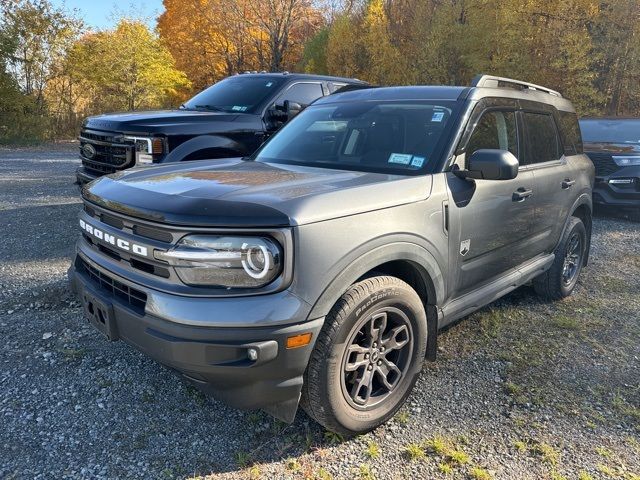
[(337, 392), (558, 283)]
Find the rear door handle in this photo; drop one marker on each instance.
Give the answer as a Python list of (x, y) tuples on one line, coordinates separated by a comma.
[(568, 183), (521, 194)]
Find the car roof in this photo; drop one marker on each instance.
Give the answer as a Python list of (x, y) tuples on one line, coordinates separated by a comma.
[(432, 92), (303, 76)]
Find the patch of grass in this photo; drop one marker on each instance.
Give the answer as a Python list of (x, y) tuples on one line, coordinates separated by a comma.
[(566, 322), (606, 470), (445, 468), (373, 450), (333, 438), (520, 446), (452, 453), (147, 397), (609, 284), (604, 452), (413, 451), (293, 465), (582, 475), (548, 454), (70, 354), (458, 456), (555, 475), (621, 405), (254, 473), (322, 474), (253, 418), (403, 417), (365, 472), (439, 445), (243, 459), (478, 473), (195, 394)]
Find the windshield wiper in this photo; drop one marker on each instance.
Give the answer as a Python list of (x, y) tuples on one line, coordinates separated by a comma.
[(213, 108)]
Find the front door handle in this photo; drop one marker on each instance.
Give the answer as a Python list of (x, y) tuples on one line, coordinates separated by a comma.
[(522, 194), (568, 183)]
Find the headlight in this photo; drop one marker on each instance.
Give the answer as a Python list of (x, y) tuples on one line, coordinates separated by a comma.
[(229, 262), (626, 161), (146, 148)]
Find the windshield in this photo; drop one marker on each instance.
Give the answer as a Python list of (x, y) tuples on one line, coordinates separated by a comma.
[(389, 137), (238, 94), (611, 131)]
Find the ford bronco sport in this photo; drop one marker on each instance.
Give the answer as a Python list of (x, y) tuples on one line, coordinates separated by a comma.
[(320, 269), (229, 119)]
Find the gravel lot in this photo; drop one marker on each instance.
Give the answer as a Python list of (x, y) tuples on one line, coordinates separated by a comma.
[(522, 389)]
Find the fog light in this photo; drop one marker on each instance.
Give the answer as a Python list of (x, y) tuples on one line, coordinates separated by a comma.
[(252, 353)]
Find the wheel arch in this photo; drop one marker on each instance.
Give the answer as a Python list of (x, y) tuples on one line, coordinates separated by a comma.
[(583, 209), (205, 146), (411, 263)]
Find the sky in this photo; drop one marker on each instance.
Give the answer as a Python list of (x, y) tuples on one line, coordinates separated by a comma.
[(101, 14)]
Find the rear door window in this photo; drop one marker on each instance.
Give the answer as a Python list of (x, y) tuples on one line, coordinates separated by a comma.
[(570, 131), (543, 142)]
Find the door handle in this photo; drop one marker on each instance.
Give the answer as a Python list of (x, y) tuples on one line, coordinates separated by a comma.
[(568, 183), (521, 194)]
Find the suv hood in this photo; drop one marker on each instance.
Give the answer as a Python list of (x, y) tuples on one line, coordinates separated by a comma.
[(237, 193), (167, 122), (612, 148)]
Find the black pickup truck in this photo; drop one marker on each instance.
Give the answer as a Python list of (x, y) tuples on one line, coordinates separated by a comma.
[(229, 119)]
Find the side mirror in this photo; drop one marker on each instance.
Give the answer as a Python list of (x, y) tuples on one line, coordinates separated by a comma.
[(491, 165), (292, 109)]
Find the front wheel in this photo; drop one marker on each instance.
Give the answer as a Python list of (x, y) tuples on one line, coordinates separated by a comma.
[(559, 281), (367, 357)]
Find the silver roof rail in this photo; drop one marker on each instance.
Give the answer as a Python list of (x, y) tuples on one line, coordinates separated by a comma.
[(489, 81)]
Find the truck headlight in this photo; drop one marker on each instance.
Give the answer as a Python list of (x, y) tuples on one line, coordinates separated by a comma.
[(146, 148), (626, 161), (225, 261)]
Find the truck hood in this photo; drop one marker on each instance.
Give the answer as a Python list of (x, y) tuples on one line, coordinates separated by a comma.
[(239, 193), (168, 122), (612, 148)]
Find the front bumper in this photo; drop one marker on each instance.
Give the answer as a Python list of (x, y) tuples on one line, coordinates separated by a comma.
[(611, 192), (85, 176), (213, 358)]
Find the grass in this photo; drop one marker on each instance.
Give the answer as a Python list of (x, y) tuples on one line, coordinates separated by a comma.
[(293, 465), (566, 322), (373, 450), (70, 354), (333, 438), (403, 417), (621, 405), (445, 468), (520, 446), (365, 473), (548, 454), (414, 452), (582, 475), (604, 452), (447, 448), (478, 473), (322, 474), (254, 473), (243, 459)]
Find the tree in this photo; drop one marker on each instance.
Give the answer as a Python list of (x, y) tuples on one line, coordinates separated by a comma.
[(125, 69)]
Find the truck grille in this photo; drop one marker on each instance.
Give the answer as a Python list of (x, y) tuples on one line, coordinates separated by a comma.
[(135, 298), (604, 164), (112, 152)]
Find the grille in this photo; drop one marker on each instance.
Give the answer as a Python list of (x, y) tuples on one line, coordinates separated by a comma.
[(604, 164), (111, 153), (141, 230), (135, 298)]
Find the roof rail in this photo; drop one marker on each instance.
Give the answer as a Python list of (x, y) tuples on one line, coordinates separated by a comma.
[(489, 81)]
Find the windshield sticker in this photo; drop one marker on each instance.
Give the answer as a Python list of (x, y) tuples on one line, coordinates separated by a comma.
[(400, 158), (417, 161), (437, 117), (238, 108), (269, 84)]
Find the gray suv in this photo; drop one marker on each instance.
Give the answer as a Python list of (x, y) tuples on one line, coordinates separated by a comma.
[(320, 270)]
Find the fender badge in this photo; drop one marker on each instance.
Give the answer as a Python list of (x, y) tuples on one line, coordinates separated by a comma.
[(465, 246)]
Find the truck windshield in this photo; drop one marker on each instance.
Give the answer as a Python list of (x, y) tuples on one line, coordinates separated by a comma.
[(388, 137), (238, 94), (611, 131)]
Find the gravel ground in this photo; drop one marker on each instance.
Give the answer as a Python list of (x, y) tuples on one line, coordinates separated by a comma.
[(522, 389)]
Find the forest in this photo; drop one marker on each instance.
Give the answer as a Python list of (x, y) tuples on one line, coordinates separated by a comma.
[(55, 70)]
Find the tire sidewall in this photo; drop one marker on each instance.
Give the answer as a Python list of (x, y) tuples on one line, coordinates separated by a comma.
[(399, 296), (578, 226)]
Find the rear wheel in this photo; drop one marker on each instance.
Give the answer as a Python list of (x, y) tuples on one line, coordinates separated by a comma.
[(367, 357), (559, 281)]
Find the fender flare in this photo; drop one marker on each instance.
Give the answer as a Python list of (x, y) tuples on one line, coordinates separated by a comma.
[(585, 198), (203, 142), (364, 259)]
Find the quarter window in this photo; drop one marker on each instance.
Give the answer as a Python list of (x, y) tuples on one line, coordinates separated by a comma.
[(496, 130), (542, 138)]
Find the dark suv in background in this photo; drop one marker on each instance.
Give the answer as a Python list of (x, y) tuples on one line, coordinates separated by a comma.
[(613, 144), (229, 119)]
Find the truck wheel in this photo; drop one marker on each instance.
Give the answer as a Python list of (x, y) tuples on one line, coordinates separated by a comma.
[(367, 357), (559, 281)]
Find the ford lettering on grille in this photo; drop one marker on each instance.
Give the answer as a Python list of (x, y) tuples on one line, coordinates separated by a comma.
[(120, 243)]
